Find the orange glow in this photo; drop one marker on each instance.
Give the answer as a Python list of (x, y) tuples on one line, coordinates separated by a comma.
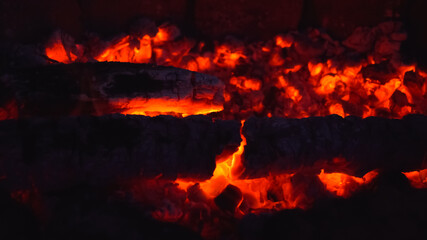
[(344, 185), (156, 106), (226, 57), (203, 63), (57, 52), (327, 84), (161, 36), (418, 179), (246, 83), (337, 109), (293, 94), (123, 52), (283, 41), (315, 69)]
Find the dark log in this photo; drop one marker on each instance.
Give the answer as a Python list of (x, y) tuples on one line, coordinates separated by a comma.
[(56, 153), (105, 88), (229, 199), (279, 145)]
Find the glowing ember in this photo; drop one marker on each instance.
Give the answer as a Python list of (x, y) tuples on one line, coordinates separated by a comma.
[(344, 185), (122, 51), (57, 52), (313, 79), (158, 106), (418, 179)]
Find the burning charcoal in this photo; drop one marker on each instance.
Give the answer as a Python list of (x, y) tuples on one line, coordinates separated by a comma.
[(53, 153), (279, 145), (229, 199), (105, 88)]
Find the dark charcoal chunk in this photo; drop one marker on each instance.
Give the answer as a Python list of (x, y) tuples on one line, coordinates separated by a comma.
[(229, 199)]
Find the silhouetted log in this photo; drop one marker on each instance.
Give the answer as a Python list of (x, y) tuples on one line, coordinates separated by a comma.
[(106, 87), (279, 145), (56, 153)]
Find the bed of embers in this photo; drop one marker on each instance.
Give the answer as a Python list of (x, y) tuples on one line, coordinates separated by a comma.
[(303, 137)]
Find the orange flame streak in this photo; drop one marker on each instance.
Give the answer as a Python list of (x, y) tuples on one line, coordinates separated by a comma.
[(158, 106), (418, 179), (256, 191), (344, 185)]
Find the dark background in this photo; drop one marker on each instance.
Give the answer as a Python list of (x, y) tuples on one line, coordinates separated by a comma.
[(29, 21)]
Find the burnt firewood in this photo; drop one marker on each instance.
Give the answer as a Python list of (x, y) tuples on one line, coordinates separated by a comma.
[(54, 153), (279, 145), (229, 199), (107, 87)]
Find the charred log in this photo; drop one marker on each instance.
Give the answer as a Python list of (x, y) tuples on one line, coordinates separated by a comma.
[(278, 145), (53, 154), (104, 88)]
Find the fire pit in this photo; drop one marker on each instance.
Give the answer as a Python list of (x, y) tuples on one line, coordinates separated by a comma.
[(250, 120)]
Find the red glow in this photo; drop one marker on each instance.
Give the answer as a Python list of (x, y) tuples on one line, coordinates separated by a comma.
[(418, 179)]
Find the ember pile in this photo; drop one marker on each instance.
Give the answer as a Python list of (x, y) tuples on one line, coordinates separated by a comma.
[(301, 122)]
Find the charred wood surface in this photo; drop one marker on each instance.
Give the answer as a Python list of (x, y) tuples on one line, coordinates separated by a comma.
[(90, 88), (54, 154), (278, 145)]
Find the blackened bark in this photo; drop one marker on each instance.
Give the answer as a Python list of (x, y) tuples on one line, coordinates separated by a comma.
[(56, 153), (278, 145)]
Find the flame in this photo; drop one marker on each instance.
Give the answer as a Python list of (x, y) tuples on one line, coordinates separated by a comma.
[(344, 185), (57, 52), (257, 191)]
